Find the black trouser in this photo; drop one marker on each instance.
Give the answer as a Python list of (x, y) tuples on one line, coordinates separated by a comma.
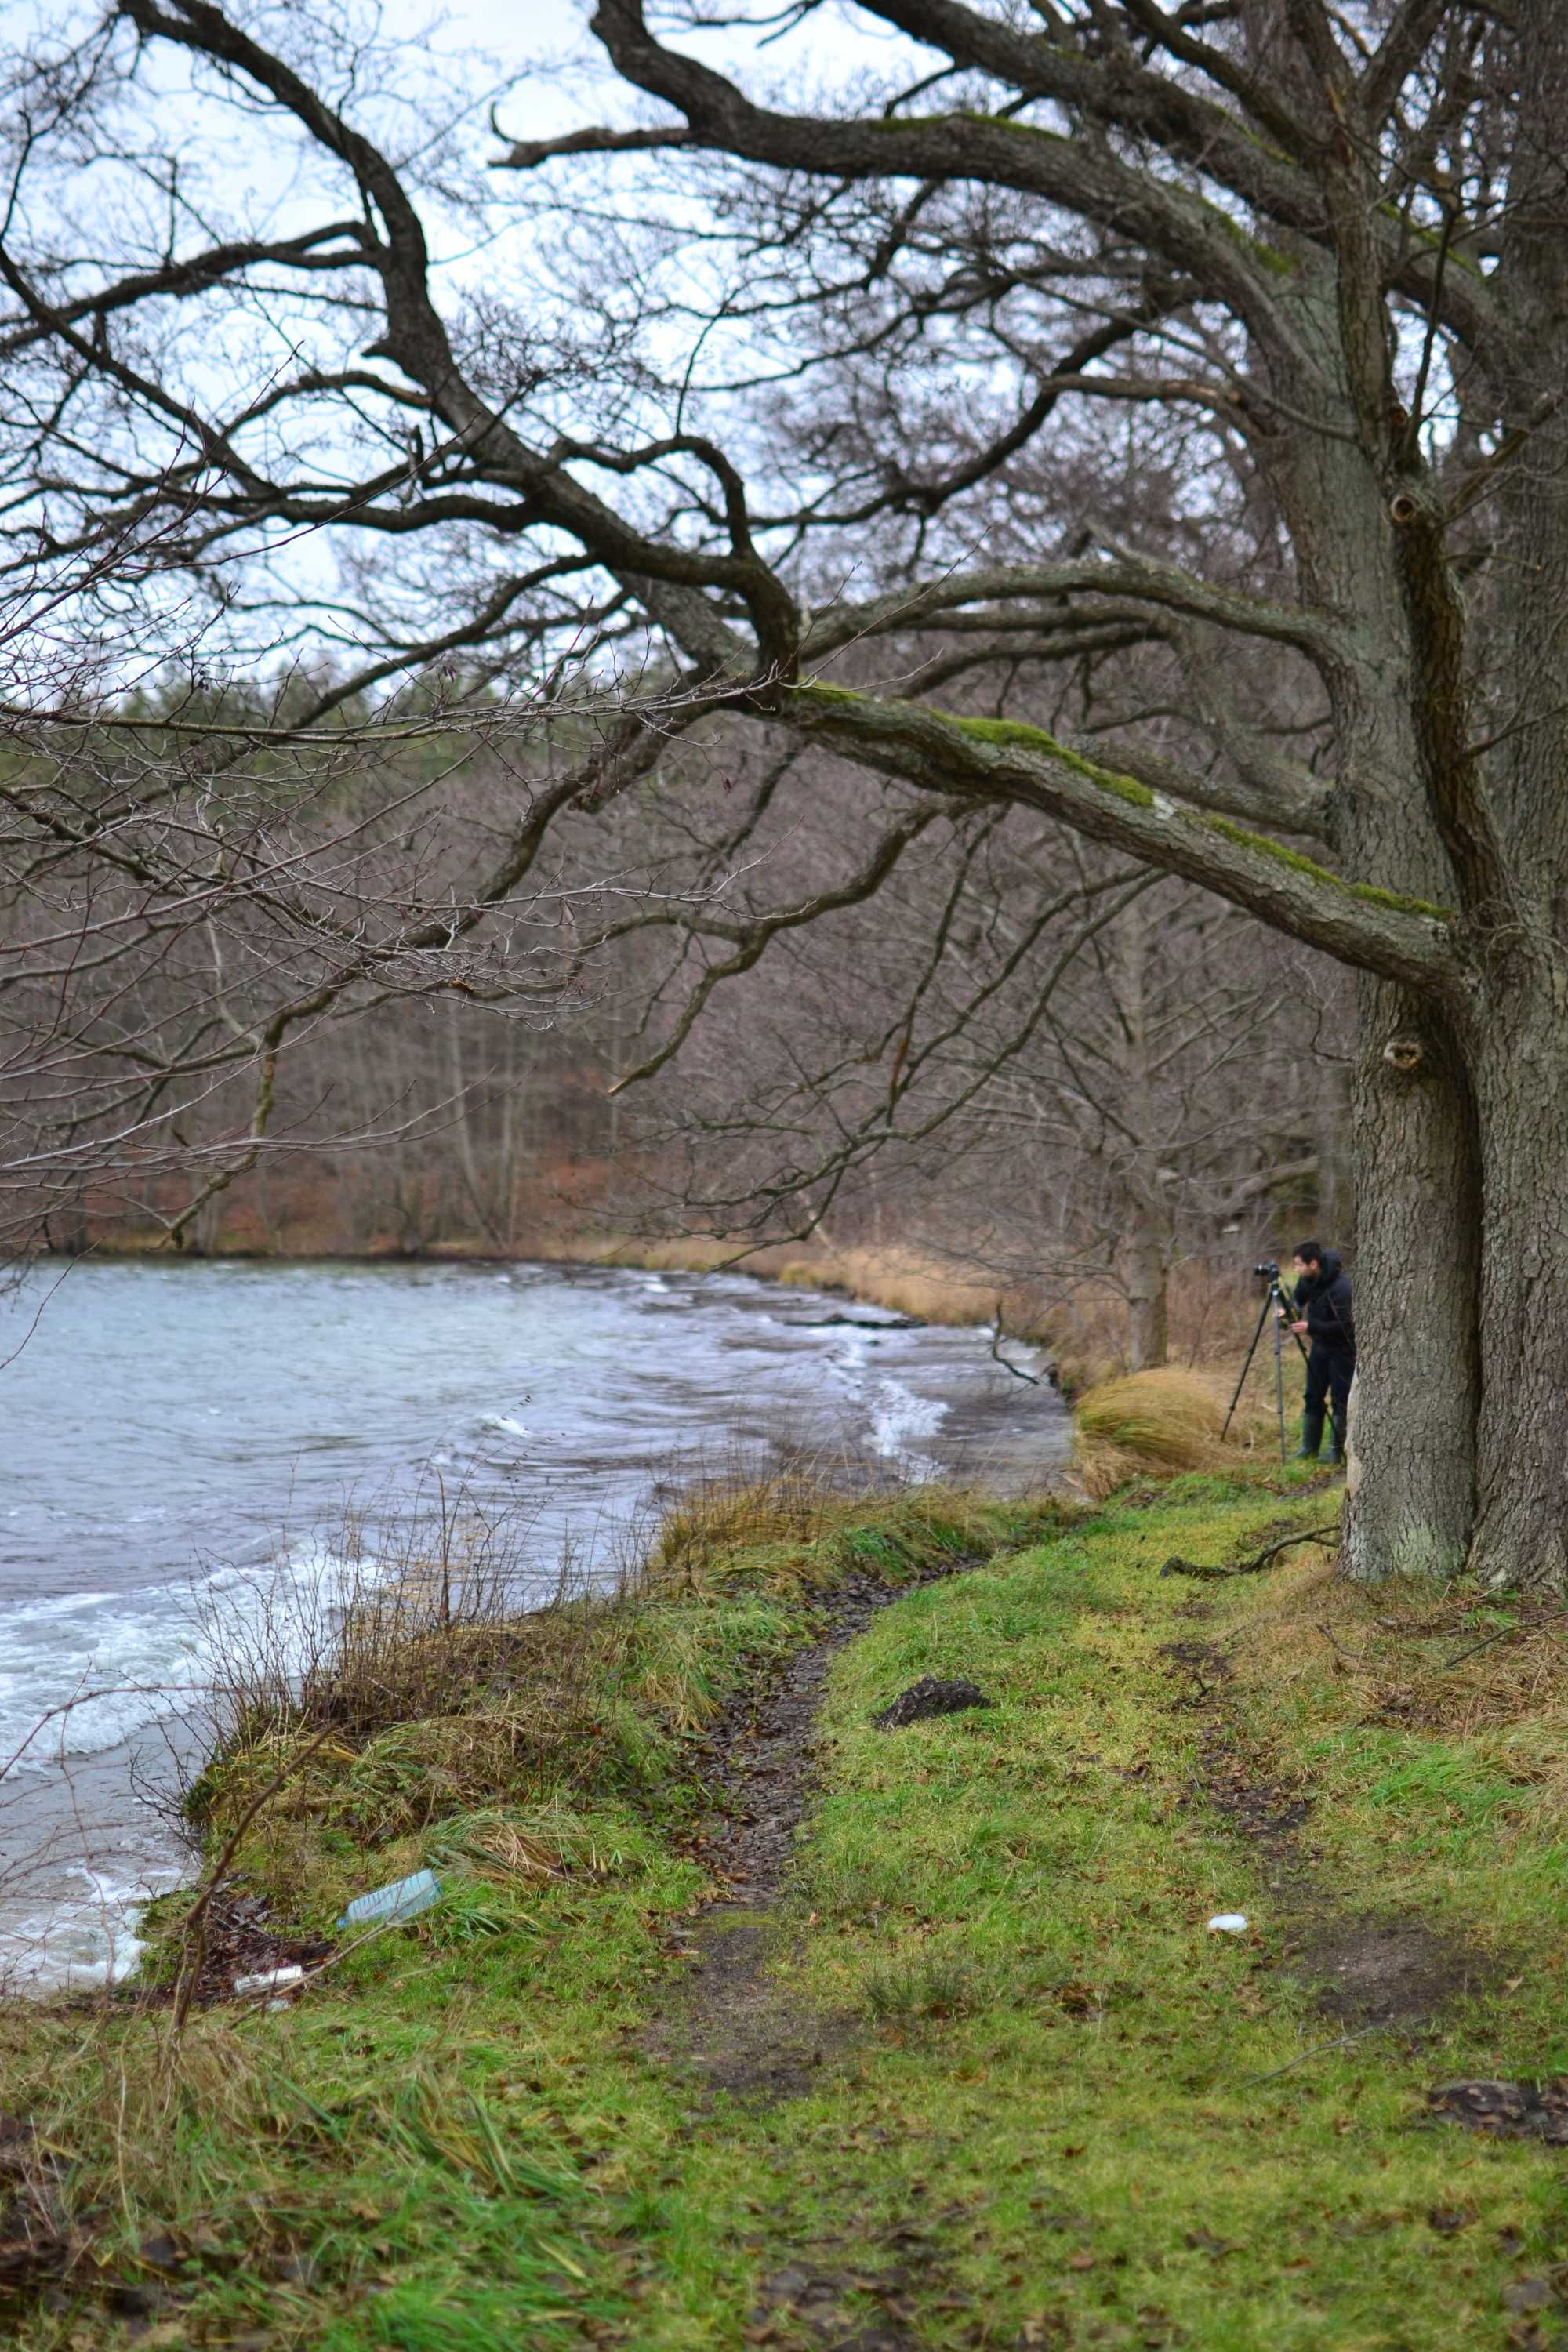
[(1329, 1375)]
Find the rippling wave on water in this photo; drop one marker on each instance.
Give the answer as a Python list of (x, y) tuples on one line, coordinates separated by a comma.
[(174, 1436)]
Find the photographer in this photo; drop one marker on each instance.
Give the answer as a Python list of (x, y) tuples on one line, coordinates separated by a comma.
[(1323, 1317)]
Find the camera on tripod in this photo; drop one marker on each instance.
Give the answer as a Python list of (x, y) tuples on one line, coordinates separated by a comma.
[(1274, 1296)]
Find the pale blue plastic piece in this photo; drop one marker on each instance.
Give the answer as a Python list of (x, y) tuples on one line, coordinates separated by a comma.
[(403, 1899)]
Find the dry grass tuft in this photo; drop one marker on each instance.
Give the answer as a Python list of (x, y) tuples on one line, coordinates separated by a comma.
[(500, 1849), (1455, 1662), (1165, 1420), (434, 1721), (526, 1843), (778, 1534), (730, 1511), (678, 1254), (1100, 1469), (1161, 1423)]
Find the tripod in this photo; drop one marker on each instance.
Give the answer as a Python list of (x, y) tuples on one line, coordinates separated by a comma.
[(1273, 1296)]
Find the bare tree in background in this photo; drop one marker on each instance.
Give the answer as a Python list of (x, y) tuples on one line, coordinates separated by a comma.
[(1310, 259), (195, 893), (1063, 1070)]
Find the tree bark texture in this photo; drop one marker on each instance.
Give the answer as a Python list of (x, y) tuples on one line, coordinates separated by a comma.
[(1417, 1213), (1522, 1081), (1417, 1374)]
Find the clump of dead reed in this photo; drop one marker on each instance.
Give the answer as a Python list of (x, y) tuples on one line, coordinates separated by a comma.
[(1160, 1424)]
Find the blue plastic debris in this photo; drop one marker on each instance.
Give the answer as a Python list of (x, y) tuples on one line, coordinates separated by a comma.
[(385, 1905)]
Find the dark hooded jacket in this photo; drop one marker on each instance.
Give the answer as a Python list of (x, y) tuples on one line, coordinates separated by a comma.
[(1325, 1300)]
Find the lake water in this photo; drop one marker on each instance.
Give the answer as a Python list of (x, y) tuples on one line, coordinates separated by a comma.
[(180, 1440)]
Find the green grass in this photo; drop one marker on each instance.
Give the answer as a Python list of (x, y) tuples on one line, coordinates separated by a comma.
[(1055, 2113)]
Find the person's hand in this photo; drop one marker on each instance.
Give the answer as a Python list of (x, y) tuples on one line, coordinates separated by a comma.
[(1299, 1329)]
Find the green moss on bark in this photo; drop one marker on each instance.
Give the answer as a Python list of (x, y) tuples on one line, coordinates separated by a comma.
[(1367, 892), (1012, 731)]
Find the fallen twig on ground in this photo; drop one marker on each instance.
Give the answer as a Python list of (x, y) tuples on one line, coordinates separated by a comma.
[(1504, 1634), (1379, 2025), (1341, 1652), (1176, 1565)]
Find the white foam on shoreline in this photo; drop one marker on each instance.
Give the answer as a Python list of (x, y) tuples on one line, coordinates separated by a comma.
[(124, 1665), (899, 1417), (896, 1416), (83, 1672), (80, 1942)]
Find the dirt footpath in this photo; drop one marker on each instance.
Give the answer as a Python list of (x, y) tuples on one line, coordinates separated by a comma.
[(730, 2024)]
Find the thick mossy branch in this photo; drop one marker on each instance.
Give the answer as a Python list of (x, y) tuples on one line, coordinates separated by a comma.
[(1035, 739), (1367, 891), (1359, 923)]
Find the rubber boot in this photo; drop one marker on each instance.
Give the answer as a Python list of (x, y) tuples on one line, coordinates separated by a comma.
[(1311, 1436), (1337, 1443)]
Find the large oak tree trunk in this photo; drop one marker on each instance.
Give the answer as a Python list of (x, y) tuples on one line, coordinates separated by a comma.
[(1417, 1183), (1417, 1228), (1518, 1042), (1522, 1082)]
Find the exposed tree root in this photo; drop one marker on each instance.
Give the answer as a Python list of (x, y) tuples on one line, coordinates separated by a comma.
[(1177, 1566)]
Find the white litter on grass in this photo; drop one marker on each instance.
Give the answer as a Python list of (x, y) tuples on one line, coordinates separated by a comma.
[(269, 1980), (1228, 1923), (385, 1905)]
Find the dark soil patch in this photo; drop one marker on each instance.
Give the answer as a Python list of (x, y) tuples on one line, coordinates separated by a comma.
[(1505, 2110), (1262, 1810), (733, 2025), (736, 2029), (929, 1697), (1386, 1972), (814, 2298), (1204, 1666), (897, 2265), (239, 1943)]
